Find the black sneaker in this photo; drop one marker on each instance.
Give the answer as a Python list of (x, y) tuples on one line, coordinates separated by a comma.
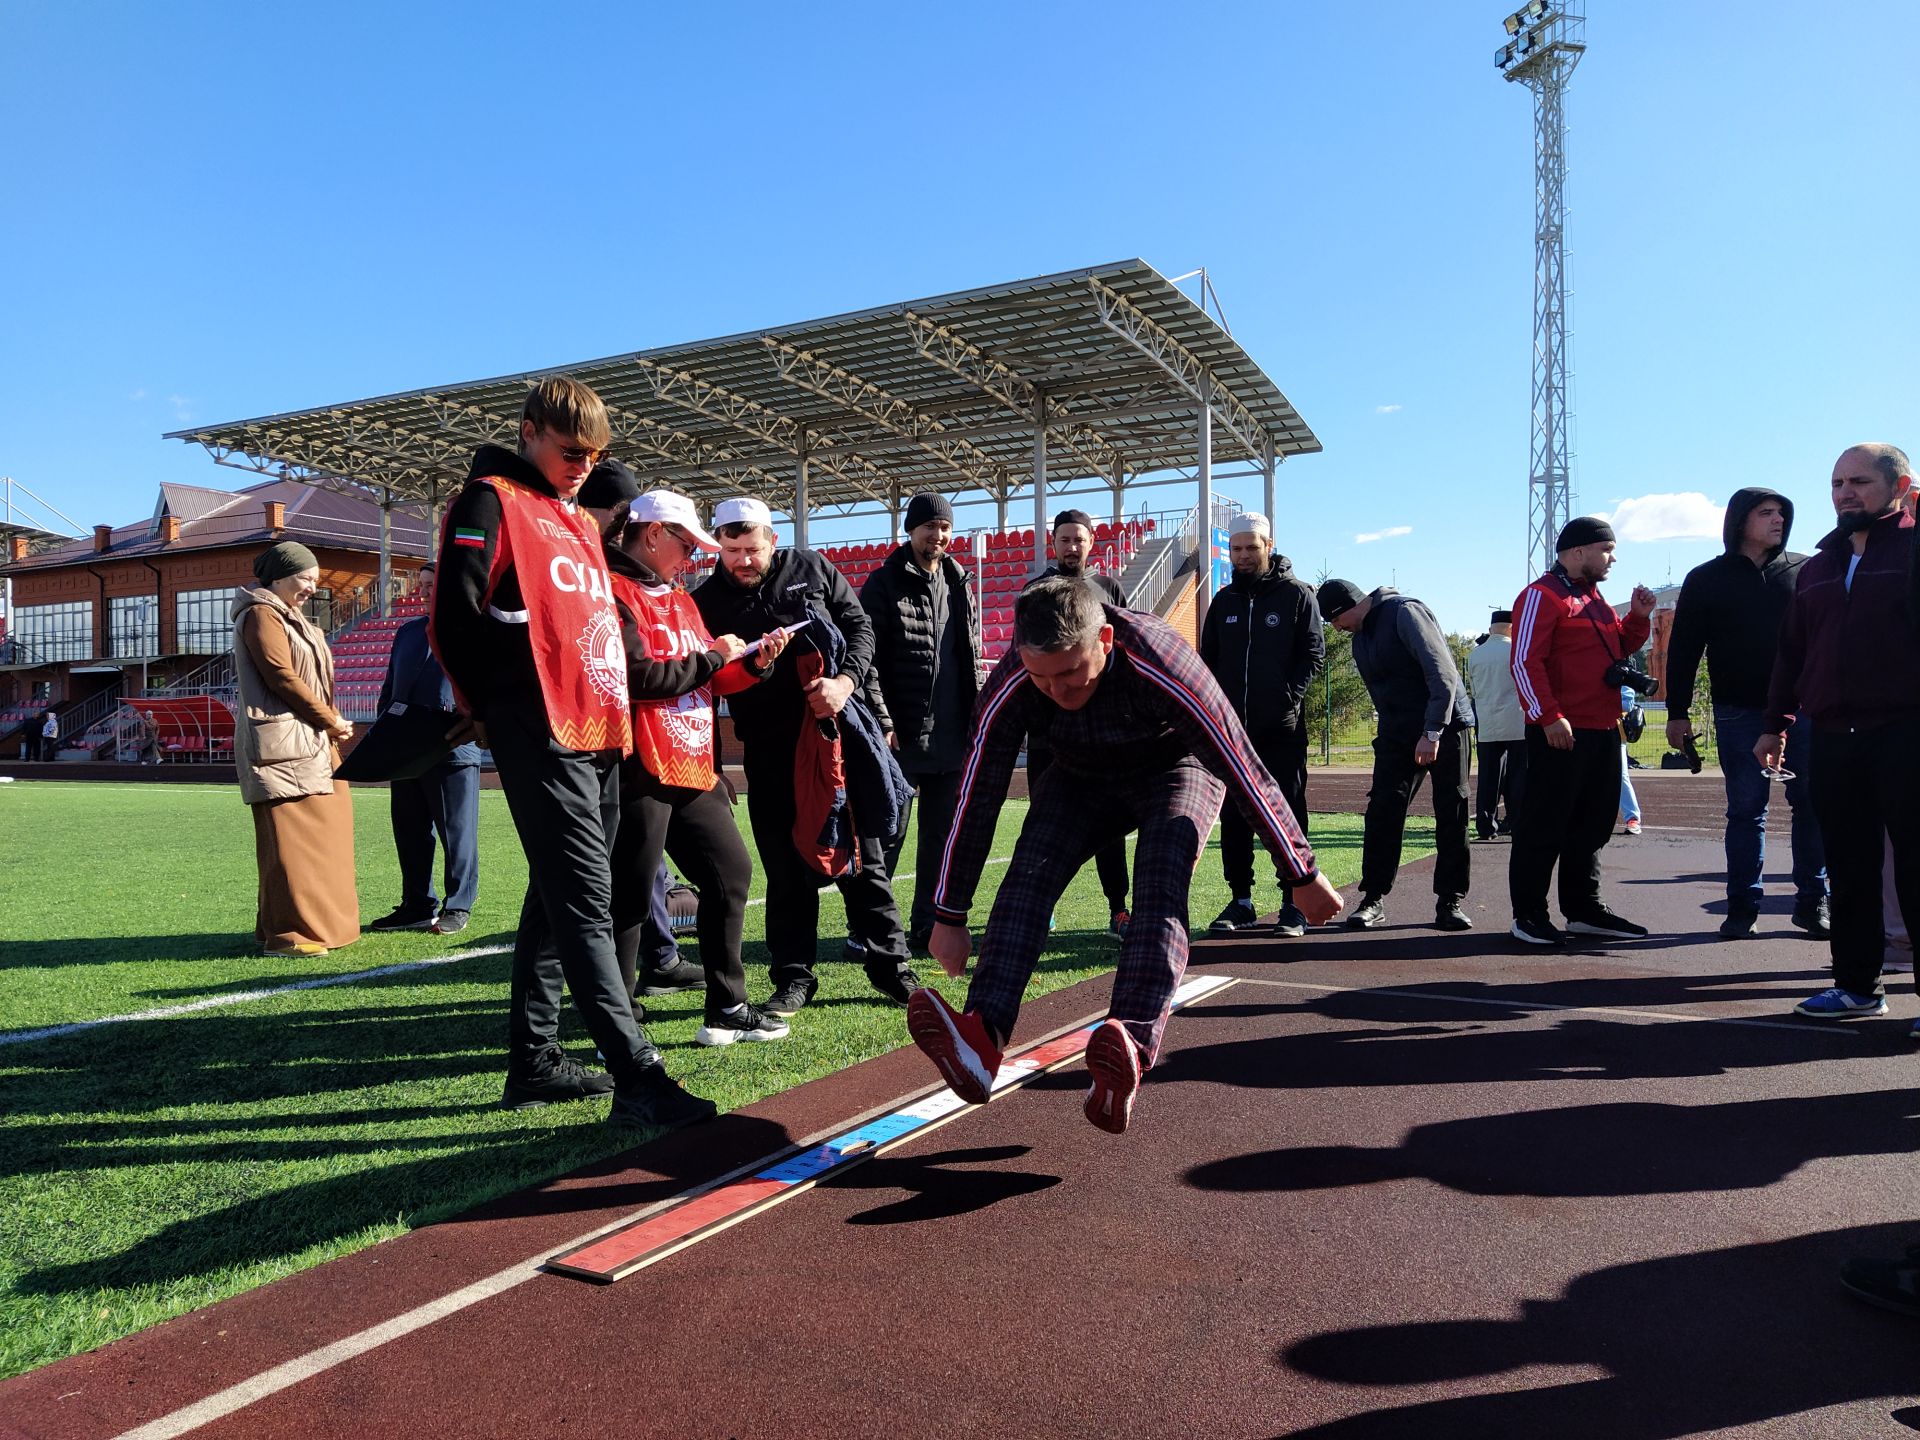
[(559, 1078), (1117, 927), (920, 942), (743, 1022), (1607, 925), (1371, 914), (1816, 919), (672, 979), (896, 984), (1290, 923), (1448, 915), (852, 949), (1739, 924), (450, 922), (1237, 916), (1536, 930), (405, 919), (656, 1100), (789, 999)]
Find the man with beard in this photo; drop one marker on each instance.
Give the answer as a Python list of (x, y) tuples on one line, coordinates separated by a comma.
[(1730, 610), (1567, 646), (926, 656), (1072, 542), (754, 589), (1262, 641), (1849, 662)]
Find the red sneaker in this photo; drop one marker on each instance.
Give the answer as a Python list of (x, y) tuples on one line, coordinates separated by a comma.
[(1113, 1060), (957, 1042)]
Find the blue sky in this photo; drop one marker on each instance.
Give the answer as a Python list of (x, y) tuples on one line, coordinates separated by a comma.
[(218, 211)]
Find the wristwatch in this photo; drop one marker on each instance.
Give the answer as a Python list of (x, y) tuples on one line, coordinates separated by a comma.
[(1432, 737)]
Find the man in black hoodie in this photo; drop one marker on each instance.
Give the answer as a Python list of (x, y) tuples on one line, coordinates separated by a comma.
[(1262, 641), (1730, 610)]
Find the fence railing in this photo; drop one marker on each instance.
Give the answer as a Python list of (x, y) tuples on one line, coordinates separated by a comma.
[(1182, 535)]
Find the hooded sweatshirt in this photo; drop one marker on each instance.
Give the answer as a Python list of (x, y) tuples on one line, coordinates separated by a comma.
[(1730, 609)]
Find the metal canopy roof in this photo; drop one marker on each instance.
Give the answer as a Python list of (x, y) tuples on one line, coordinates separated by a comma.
[(937, 394)]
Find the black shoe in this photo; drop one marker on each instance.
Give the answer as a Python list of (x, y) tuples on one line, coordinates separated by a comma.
[(1739, 924), (741, 1023), (1607, 925), (655, 1099), (1372, 913), (790, 999), (1448, 915), (450, 922), (1290, 923), (672, 979), (920, 942), (405, 919), (1815, 919), (1117, 926), (896, 984), (854, 949), (1536, 930), (556, 1077), (1237, 916)]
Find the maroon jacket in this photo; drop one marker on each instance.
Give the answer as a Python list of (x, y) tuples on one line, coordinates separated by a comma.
[(1850, 657)]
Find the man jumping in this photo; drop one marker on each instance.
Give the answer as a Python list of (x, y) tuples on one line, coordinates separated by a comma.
[(1142, 739)]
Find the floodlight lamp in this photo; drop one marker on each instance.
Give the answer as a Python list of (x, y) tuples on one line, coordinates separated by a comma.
[(1526, 40), (1536, 8), (1512, 22)]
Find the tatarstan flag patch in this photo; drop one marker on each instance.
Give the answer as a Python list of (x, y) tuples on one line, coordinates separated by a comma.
[(473, 539)]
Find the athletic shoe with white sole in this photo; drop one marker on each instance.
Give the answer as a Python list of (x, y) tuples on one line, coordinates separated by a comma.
[(1536, 930), (1607, 925), (957, 1042), (1113, 1063), (1837, 1004), (743, 1022)]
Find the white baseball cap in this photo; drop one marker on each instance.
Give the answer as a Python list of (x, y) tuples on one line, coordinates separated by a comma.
[(671, 508), (743, 511), (1248, 523)]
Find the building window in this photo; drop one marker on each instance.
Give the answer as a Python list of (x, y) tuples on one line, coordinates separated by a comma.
[(319, 609), (54, 632), (203, 621), (133, 626)]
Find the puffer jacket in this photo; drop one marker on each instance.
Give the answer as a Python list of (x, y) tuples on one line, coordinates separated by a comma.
[(1262, 641), (899, 597), (280, 743)]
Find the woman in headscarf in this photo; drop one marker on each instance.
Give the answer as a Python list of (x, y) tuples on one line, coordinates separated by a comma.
[(286, 746)]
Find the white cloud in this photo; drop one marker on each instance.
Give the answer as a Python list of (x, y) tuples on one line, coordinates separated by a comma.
[(182, 408), (1688, 515), (1386, 409), (138, 395), (1390, 533)]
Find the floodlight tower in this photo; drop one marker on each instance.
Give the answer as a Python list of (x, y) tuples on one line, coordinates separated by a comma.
[(1546, 39)]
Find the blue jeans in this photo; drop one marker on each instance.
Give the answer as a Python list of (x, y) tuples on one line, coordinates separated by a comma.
[(1738, 728), (1629, 802)]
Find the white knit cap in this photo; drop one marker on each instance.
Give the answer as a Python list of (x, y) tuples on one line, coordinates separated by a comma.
[(1248, 523)]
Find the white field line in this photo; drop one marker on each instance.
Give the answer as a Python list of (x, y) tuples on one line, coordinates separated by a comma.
[(243, 997)]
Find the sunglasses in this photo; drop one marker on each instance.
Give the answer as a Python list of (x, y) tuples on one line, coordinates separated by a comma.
[(576, 454)]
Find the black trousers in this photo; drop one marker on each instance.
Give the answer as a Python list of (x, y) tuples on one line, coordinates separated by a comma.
[(1286, 760), (1396, 780), (1865, 783), (696, 828), (566, 809), (793, 890), (1566, 819), (443, 803), (1109, 861), (935, 798), (1503, 777)]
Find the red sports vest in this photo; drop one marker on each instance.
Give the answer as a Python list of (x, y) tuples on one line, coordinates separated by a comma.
[(570, 617), (673, 738)]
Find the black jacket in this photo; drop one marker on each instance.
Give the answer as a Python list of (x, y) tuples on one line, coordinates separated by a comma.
[(1262, 641), (1105, 584), (768, 716), (1401, 653), (899, 597), (1731, 611)]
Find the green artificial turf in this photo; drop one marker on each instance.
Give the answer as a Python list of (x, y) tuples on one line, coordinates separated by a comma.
[(153, 1166)]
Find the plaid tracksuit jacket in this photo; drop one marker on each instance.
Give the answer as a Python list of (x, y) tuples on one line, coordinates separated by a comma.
[(1155, 750)]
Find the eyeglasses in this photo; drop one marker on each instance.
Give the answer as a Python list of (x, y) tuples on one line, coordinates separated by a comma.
[(576, 454), (686, 540)]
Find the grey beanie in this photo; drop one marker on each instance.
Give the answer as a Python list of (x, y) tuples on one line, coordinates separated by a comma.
[(277, 562)]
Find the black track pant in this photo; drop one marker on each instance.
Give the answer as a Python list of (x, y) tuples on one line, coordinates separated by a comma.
[(1566, 819), (1865, 783), (935, 798), (696, 828), (1503, 776), (1109, 861), (1286, 760), (566, 808), (1396, 780)]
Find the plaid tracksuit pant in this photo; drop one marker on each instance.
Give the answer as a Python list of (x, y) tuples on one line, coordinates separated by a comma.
[(1072, 816)]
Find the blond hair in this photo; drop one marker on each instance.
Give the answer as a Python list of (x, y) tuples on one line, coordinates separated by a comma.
[(570, 410)]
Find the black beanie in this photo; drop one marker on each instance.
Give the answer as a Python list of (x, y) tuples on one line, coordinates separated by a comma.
[(1503, 617), (927, 506), (277, 562), (1073, 517), (607, 486), (1337, 597), (1583, 530)]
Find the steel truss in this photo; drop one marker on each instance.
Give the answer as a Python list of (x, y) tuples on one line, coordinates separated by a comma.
[(1126, 321)]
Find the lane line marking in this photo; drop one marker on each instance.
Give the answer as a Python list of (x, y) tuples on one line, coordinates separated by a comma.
[(283, 1376), (1813, 1028)]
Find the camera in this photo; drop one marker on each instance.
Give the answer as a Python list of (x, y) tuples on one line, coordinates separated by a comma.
[(1694, 761), (1621, 673)]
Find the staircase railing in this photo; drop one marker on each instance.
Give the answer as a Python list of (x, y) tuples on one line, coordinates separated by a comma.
[(1152, 586)]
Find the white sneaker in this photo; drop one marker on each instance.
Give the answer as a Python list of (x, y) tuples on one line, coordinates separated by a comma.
[(743, 1022)]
